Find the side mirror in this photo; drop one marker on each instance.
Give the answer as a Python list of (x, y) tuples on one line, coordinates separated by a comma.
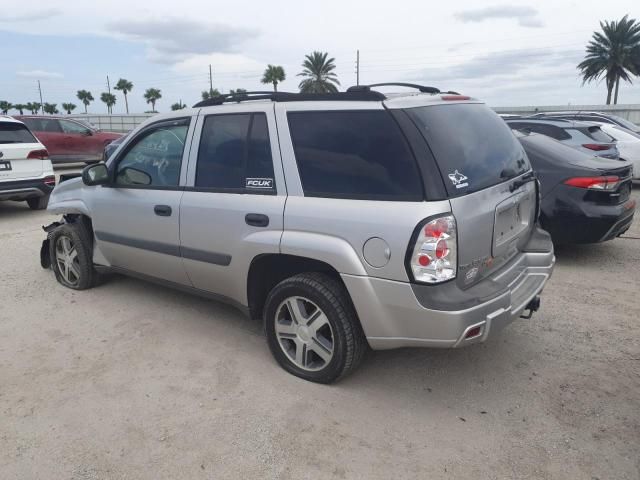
[(88, 133), (95, 174)]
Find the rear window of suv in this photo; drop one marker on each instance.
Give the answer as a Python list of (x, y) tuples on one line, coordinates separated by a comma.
[(357, 154), (472, 145), (11, 132)]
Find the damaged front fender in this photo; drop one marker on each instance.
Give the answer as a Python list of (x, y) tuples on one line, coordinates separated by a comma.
[(45, 256)]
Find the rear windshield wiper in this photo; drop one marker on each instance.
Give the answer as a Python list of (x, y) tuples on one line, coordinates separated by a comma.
[(522, 181)]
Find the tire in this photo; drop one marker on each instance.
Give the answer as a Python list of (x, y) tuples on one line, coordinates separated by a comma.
[(80, 275), (338, 328), (38, 203)]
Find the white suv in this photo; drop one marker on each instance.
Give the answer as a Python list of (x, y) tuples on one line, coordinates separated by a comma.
[(25, 169)]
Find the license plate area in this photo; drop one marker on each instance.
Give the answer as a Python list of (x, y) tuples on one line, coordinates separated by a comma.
[(5, 165), (512, 219)]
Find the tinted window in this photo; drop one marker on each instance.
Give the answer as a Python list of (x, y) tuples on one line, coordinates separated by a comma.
[(11, 132), (598, 135), (235, 153), (472, 145), (49, 125), (73, 127), (354, 154), (154, 157), (541, 128)]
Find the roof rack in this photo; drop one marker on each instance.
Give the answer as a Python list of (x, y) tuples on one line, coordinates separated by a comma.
[(290, 97), (421, 88)]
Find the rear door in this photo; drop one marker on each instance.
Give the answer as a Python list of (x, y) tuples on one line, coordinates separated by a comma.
[(480, 160), (232, 208), (80, 142), (16, 142), (50, 134), (136, 218)]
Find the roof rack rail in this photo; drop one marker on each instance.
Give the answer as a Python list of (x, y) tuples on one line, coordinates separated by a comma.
[(290, 97), (421, 88)]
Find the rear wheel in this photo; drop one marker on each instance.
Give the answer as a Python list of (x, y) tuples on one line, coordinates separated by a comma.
[(71, 257), (312, 328), (38, 203)]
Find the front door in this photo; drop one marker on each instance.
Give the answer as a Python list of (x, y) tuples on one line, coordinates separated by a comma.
[(232, 209), (136, 217)]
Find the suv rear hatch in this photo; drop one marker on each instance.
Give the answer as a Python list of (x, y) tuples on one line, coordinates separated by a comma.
[(21, 156), (488, 180)]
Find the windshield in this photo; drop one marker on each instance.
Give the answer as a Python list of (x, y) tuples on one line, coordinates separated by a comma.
[(473, 146), (625, 123), (11, 132)]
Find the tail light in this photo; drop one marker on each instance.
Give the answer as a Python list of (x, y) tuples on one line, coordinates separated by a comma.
[(594, 183), (596, 146), (435, 251), (38, 155), (455, 97), (50, 181)]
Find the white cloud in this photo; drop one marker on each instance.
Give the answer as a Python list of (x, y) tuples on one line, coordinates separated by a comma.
[(38, 74), (171, 41), (41, 14), (526, 16)]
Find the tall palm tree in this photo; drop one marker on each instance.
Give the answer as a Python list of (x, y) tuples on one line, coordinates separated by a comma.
[(273, 74), (178, 106), (152, 95), (69, 107), (5, 107), (125, 86), (85, 97), (109, 99), (613, 54), (319, 74), (51, 108), (21, 107), (212, 92)]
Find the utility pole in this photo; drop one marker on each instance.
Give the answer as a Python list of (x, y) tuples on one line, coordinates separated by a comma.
[(210, 80), (41, 102), (357, 67), (108, 85)]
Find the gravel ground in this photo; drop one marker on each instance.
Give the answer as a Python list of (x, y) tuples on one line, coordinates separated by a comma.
[(132, 380)]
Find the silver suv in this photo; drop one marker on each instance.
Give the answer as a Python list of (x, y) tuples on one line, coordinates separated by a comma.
[(343, 221)]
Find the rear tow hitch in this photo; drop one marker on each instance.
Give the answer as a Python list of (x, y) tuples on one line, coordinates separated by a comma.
[(532, 306)]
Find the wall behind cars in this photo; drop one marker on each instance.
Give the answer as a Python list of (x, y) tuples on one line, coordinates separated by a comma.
[(124, 123)]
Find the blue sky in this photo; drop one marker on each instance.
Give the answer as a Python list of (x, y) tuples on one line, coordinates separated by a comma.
[(505, 53)]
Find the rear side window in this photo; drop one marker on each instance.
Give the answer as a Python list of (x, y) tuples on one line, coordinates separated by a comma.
[(354, 154), (11, 132), (49, 125), (235, 154), (543, 129), (472, 145), (599, 136)]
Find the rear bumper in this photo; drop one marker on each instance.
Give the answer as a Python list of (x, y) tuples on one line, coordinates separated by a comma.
[(392, 316), (584, 222), (23, 189)]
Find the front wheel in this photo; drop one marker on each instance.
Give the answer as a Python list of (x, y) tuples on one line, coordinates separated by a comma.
[(312, 328), (71, 256)]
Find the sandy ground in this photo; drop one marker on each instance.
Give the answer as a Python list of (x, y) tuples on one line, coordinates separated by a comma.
[(131, 380)]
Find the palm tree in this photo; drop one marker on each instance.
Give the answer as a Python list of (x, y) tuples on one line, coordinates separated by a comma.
[(613, 54), (212, 92), (109, 99), (5, 107), (51, 108), (152, 95), (178, 106), (36, 106), (85, 97), (21, 107), (125, 86), (237, 90), (68, 107), (318, 73), (273, 74)]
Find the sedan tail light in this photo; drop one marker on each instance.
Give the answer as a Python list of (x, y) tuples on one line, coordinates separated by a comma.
[(597, 146), (594, 183), (38, 155), (434, 252)]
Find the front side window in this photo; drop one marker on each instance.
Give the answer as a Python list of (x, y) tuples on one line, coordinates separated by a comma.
[(154, 158), (354, 154), (235, 154), (73, 127)]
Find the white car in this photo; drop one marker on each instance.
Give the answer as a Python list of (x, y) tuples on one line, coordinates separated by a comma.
[(26, 173), (628, 144)]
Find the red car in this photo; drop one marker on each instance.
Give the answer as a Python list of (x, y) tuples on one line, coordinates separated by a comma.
[(69, 140)]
